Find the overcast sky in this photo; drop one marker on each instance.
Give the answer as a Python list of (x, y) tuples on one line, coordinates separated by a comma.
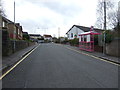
[(46, 16)]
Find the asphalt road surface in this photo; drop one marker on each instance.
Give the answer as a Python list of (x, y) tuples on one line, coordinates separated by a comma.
[(55, 66)]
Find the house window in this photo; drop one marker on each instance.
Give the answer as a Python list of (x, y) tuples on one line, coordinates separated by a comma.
[(85, 38), (3, 24), (71, 34), (18, 31)]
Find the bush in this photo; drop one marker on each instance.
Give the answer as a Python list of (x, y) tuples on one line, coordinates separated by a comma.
[(65, 41), (108, 36), (26, 37), (74, 41)]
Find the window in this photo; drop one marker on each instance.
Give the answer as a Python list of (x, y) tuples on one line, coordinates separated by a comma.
[(71, 34), (3, 24), (85, 38), (88, 38), (18, 31)]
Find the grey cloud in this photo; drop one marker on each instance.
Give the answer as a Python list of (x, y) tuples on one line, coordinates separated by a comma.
[(66, 10), (69, 9), (41, 23)]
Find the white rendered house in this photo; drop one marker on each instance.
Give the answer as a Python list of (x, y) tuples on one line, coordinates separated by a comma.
[(76, 30)]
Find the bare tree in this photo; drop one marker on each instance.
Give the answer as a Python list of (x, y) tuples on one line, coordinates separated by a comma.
[(119, 13), (100, 13), (113, 18), (1, 9)]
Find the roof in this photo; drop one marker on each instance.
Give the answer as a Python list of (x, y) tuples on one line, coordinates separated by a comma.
[(25, 33), (90, 32), (35, 35), (47, 35), (10, 22), (7, 20), (85, 29)]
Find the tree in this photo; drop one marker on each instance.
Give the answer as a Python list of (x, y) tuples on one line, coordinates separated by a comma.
[(2, 13), (113, 18), (117, 30), (115, 22), (26, 37), (101, 7)]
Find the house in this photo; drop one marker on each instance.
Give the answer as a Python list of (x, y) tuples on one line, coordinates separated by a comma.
[(14, 30), (76, 30), (35, 37), (19, 32), (47, 37)]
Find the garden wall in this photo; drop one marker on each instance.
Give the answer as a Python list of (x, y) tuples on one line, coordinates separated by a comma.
[(113, 48), (8, 45)]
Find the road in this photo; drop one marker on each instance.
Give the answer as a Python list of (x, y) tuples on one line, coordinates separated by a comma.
[(55, 66)]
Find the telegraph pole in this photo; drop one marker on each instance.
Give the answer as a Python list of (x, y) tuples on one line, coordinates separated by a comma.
[(14, 29), (59, 33), (104, 44)]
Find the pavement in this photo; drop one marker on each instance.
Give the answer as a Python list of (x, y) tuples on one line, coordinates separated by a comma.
[(56, 66), (12, 59), (98, 54)]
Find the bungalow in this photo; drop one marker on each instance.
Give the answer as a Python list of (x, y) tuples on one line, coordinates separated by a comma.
[(47, 37), (76, 30), (35, 37)]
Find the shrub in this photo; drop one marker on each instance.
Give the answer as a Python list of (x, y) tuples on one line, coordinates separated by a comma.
[(74, 41), (108, 36), (65, 41)]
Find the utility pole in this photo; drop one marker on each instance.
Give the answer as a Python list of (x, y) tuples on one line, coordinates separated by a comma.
[(59, 33), (14, 29), (104, 44)]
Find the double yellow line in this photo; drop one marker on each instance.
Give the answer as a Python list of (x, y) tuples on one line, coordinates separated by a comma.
[(17, 63)]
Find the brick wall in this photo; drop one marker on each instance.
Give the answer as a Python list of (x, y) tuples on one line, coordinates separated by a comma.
[(8, 45), (98, 48)]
